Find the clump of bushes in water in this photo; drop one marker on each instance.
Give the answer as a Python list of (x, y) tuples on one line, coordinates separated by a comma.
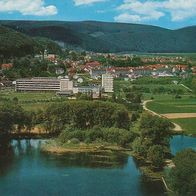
[(111, 135)]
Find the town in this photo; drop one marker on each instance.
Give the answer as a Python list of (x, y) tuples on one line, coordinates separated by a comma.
[(88, 73), (104, 108)]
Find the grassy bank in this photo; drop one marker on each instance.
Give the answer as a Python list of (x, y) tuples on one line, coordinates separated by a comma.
[(187, 124), (53, 146), (57, 148)]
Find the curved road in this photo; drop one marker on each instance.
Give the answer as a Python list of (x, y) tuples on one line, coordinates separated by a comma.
[(176, 126)]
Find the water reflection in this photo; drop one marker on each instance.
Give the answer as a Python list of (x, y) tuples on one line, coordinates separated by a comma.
[(90, 160), (28, 171)]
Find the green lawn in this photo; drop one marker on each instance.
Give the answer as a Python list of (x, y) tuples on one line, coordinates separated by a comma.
[(187, 124), (164, 104), (30, 101), (168, 104), (27, 96)]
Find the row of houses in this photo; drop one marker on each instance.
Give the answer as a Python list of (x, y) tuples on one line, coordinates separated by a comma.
[(159, 70)]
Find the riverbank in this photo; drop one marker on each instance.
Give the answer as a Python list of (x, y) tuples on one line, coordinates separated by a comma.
[(54, 147), (115, 173)]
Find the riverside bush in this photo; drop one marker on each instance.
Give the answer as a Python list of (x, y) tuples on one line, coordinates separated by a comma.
[(112, 135)]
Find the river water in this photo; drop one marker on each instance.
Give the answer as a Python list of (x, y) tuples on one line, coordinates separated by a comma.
[(26, 171)]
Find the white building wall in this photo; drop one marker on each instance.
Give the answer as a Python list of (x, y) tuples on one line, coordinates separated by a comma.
[(66, 85), (44, 84), (107, 83)]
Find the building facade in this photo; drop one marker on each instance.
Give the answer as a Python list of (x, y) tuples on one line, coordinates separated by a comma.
[(107, 83), (44, 84)]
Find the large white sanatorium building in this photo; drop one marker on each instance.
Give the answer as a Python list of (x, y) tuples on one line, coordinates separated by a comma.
[(44, 84), (107, 83)]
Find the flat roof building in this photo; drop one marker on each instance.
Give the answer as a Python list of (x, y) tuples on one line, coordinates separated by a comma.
[(44, 84)]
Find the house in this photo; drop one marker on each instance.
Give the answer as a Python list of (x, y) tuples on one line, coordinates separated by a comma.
[(91, 65), (194, 70), (98, 72), (6, 66), (51, 57), (59, 71), (119, 71), (95, 91)]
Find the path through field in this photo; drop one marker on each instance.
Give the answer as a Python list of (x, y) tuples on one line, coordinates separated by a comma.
[(176, 126)]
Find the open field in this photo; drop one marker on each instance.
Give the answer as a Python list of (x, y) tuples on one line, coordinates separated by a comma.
[(27, 96), (168, 104), (180, 111), (179, 115), (191, 56), (30, 101)]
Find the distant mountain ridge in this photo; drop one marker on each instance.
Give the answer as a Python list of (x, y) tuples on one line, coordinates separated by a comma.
[(110, 37)]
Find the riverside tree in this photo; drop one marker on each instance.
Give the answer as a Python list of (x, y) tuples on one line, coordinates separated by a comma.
[(85, 115), (153, 141), (182, 177), (11, 115)]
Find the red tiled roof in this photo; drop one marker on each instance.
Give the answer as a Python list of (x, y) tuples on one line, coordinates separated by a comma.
[(6, 66)]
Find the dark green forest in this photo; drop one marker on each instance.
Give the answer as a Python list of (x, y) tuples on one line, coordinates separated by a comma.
[(110, 37), (16, 44)]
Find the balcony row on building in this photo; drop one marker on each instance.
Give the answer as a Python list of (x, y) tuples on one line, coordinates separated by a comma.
[(63, 86)]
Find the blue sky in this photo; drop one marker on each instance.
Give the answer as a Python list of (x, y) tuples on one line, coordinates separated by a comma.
[(166, 13)]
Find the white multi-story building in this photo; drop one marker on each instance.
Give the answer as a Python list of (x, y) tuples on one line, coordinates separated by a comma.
[(107, 83), (44, 84), (66, 85)]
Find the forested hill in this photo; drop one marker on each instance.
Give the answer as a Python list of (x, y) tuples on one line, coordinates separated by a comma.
[(110, 37), (16, 44)]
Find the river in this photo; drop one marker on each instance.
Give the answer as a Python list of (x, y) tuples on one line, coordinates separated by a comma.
[(28, 171)]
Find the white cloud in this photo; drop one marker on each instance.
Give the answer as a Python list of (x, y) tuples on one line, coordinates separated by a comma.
[(28, 7), (126, 17), (181, 9), (86, 2), (138, 11)]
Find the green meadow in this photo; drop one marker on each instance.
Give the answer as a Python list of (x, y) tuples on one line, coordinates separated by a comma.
[(30, 101), (187, 124), (164, 104), (166, 97)]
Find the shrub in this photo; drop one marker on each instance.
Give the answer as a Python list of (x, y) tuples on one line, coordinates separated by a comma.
[(111, 135), (75, 141), (68, 134), (156, 156)]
